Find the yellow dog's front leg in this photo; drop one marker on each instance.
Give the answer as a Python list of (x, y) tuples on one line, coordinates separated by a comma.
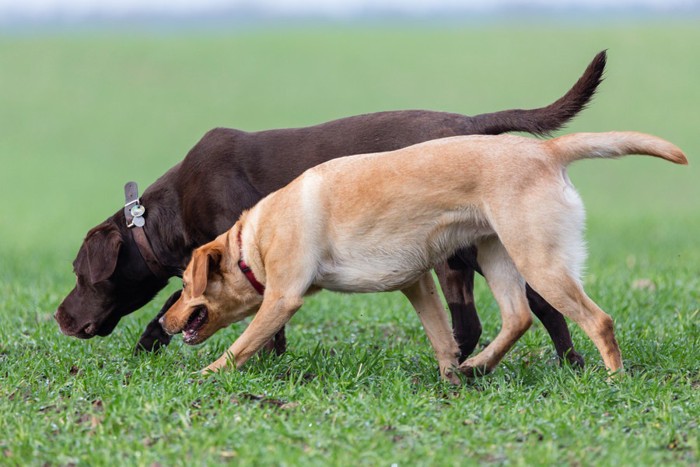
[(276, 310)]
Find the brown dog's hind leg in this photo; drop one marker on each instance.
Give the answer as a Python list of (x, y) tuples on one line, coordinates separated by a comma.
[(508, 288), (555, 324), (425, 300), (456, 279), (276, 310)]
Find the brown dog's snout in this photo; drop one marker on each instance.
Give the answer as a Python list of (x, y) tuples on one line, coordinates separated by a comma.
[(64, 320), (68, 325)]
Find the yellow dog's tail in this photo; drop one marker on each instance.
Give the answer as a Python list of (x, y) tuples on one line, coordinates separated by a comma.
[(570, 148)]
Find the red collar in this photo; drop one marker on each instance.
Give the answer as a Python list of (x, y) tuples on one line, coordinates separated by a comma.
[(245, 269)]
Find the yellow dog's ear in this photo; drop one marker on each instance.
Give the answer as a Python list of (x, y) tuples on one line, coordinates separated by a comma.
[(205, 260)]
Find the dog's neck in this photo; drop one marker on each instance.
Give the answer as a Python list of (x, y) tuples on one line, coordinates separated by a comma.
[(245, 266), (163, 237)]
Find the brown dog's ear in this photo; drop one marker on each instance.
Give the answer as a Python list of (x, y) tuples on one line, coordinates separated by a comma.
[(205, 260), (102, 250)]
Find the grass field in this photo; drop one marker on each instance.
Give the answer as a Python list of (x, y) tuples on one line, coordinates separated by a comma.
[(80, 114)]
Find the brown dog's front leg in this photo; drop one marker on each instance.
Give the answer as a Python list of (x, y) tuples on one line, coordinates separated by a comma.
[(154, 337), (556, 326), (278, 344), (274, 313)]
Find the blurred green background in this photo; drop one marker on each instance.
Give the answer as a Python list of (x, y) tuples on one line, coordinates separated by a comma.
[(82, 113)]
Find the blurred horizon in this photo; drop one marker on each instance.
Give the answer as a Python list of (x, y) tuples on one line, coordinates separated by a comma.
[(15, 14)]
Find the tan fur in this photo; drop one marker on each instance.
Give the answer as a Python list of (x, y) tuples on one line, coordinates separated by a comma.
[(380, 222)]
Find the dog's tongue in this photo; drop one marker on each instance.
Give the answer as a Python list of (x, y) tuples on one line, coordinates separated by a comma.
[(194, 323)]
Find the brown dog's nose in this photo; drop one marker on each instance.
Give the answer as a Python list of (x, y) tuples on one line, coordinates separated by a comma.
[(71, 327), (64, 320)]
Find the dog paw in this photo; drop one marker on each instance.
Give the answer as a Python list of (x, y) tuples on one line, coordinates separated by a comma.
[(616, 376), (573, 359), (211, 369), (470, 369), (153, 339), (450, 375), (216, 366)]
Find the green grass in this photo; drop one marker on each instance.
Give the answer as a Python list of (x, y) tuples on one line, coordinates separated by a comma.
[(82, 114)]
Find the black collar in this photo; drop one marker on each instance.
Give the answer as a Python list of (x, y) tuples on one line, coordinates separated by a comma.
[(134, 213)]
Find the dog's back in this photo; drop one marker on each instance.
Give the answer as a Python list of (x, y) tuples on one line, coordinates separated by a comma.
[(373, 217)]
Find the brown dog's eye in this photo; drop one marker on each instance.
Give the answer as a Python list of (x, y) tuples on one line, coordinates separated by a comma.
[(184, 285)]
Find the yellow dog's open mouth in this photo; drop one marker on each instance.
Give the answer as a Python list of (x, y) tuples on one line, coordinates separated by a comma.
[(195, 322)]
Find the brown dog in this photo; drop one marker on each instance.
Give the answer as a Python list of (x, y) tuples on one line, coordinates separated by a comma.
[(380, 222), (229, 170)]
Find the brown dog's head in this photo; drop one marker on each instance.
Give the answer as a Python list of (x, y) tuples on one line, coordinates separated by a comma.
[(112, 280), (215, 293)]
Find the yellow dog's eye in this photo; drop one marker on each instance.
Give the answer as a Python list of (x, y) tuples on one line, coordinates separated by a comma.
[(184, 285)]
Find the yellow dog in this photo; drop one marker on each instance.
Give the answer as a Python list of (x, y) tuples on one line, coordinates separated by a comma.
[(380, 222)]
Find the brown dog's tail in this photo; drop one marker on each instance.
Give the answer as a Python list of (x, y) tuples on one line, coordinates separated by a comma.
[(573, 147), (545, 120)]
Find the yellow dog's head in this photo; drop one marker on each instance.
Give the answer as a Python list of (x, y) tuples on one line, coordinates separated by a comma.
[(215, 292)]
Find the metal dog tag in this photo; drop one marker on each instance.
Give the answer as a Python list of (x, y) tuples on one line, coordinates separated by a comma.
[(137, 210)]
